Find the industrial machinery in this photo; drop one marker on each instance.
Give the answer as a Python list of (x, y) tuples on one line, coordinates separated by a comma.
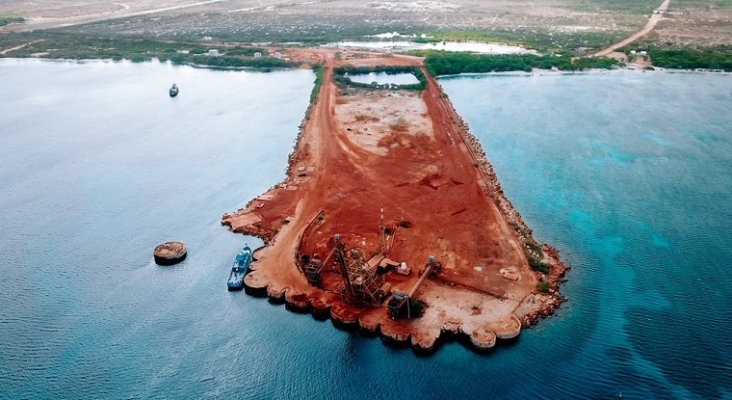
[(361, 284), (315, 266), (401, 303), (361, 281)]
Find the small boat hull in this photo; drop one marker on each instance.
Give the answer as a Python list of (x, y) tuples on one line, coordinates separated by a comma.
[(240, 269)]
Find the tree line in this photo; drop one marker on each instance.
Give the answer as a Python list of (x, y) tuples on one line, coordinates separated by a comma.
[(11, 20), (450, 63), (60, 45), (340, 76), (719, 58)]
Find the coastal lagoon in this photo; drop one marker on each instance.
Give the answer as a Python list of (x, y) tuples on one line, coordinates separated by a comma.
[(627, 174), (382, 78)]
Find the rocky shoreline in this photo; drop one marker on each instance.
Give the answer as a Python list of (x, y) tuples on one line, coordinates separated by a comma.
[(472, 333), (391, 333), (552, 300)]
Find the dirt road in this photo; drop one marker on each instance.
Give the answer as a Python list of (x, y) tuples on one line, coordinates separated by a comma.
[(402, 157), (3, 52), (657, 16), (124, 12)]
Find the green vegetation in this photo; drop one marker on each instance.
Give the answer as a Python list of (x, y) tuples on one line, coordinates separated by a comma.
[(518, 228), (59, 45), (461, 36), (719, 58), (245, 51), (565, 43), (63, 44), (198, 50), (535, 255), (265, 63), (340, 78), (624, 6), (537, 265), (11, 20), (78, 47), (8, 40), (533, 250), (670, 55), (319, 72), (449, 63), (420, 39), (415, 307), (543, 286)]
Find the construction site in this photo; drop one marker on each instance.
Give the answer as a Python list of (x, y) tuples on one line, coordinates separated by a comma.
[(391, 220)]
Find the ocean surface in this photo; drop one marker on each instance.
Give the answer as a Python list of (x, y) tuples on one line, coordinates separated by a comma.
[(628, 174)]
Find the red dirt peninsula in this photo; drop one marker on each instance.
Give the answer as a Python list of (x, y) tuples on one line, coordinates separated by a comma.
[(405, 158)]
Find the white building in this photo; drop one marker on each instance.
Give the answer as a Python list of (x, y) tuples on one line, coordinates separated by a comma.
[(213, 53)]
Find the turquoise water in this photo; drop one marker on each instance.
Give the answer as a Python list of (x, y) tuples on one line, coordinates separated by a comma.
[(630, 176), (627, 174)]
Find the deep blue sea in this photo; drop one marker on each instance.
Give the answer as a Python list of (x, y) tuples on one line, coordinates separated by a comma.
[(628, 174)]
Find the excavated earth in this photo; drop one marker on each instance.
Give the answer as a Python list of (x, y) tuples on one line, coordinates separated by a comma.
[(407, 153)]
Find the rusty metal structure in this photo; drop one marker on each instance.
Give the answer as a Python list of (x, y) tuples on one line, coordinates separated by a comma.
[(399, 304), (361, 282), (361, 286)]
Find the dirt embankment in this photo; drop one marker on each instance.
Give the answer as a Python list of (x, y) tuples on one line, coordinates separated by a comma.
[(407, 159)]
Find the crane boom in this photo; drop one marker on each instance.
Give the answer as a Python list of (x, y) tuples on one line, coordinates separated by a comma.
[(419, 282)]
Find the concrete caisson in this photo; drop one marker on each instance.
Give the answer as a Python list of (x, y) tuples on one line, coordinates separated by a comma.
[(170, 253), (483, 339)]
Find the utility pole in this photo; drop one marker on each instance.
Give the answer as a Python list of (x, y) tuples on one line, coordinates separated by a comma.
[(382, 234)]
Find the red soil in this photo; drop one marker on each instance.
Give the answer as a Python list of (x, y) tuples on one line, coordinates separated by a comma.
[(438, 195)]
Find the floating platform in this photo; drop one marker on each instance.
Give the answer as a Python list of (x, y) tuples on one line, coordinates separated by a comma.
[(170, 253)]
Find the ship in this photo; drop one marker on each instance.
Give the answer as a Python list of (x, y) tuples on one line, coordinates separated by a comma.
[(240, 269), (173, 90)]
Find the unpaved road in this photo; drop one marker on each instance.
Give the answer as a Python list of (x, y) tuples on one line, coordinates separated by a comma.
[(49, 23), (657, 16), (367, 153), (14, 48)]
